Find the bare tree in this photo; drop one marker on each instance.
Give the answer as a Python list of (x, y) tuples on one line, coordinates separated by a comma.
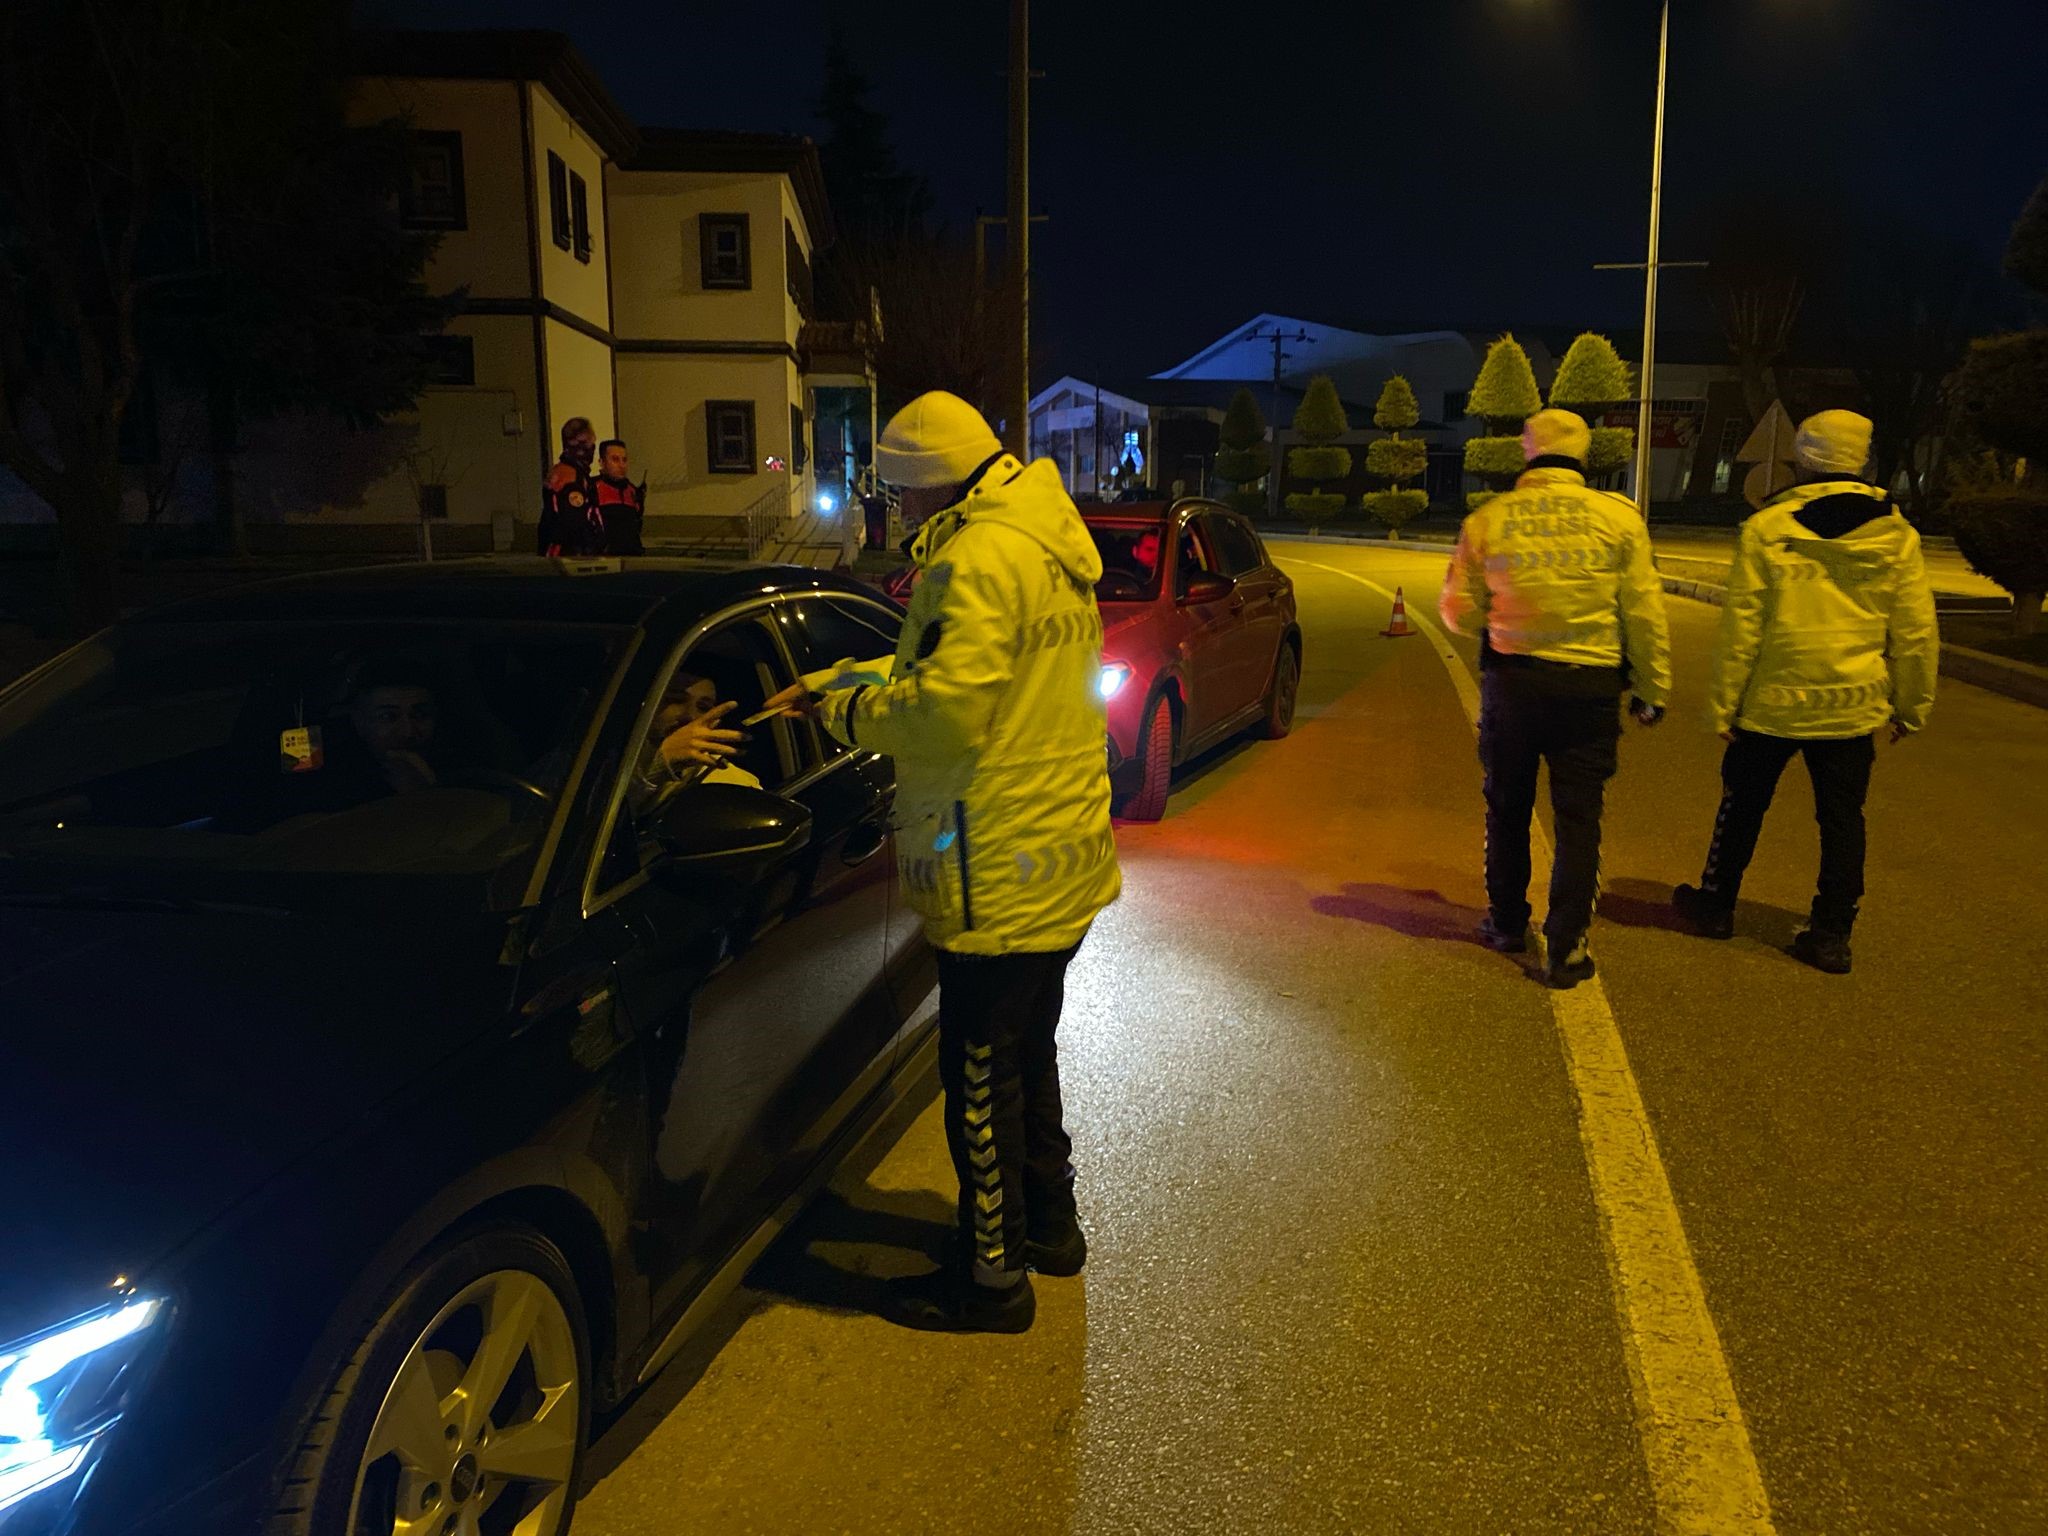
[(938, 330), (432, 473), (1758, 310), (179, 186)]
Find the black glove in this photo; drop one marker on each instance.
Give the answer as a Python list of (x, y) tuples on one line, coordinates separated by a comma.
[(1646, 714)]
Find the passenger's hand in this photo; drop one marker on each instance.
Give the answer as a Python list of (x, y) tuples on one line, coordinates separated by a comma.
[(1729, 737), (406, 771), (703, 743), (794, 700)]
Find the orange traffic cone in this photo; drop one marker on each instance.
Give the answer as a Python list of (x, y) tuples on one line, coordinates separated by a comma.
[(1399, 627)]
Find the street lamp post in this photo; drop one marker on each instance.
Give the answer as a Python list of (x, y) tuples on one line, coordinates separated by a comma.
[(1642, 468)]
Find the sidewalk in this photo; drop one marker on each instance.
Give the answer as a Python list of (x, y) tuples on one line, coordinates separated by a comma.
[(1999, 674)]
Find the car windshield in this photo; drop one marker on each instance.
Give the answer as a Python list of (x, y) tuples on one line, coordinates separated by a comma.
[(305, 750), (1130, 560)]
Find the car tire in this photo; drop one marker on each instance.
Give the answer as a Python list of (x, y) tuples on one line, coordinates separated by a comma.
[(507, 1296), (1147, 802), (1281, 697)]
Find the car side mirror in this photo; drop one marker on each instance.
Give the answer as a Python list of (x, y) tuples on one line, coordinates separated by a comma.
[(729, 821), (1208, 587)]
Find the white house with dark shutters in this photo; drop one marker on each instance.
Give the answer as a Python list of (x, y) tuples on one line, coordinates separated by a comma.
[(657, 282)]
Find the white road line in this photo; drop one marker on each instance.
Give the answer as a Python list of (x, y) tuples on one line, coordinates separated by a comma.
[(1703, 1471)]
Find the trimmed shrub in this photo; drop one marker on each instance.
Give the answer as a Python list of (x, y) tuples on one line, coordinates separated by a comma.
[(1499, 457), (1319, 421), (2003, 533), (1250, 503), (1505, 391), (2003, 387), (1396, 409), (1397, 458), (1243, 455), (1611, 448), (1319, 463), (1396, 509), (1474, 500), (1316, 506), (1591, 377)]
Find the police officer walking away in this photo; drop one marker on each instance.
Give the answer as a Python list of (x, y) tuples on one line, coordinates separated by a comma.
[(1827, 634), (996, 726), (1555, 578)]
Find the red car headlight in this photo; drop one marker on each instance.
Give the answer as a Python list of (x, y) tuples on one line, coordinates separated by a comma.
[(1110, 681)]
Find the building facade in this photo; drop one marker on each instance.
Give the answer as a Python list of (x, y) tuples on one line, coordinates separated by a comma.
[(656, 283)]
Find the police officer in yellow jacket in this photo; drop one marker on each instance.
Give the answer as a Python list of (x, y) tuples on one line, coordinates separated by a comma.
[(1555, 578), (997, 730), (1827, 635)]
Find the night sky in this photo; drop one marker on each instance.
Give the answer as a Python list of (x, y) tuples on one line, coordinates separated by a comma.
[(1432, 163)]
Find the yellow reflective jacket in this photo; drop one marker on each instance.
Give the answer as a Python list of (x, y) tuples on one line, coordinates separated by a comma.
[(1828, 623), (1557, 570), (996, 723)]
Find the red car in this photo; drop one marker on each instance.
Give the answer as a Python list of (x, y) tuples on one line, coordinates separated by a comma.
[(1200, 640)]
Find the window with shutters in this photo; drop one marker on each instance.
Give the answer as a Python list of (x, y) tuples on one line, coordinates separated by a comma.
[(725, 250)]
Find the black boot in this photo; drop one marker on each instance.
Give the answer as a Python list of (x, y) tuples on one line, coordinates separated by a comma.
[(1702, 913), (1569, 964), (1060, 1251), (946, 1302), (1502, 939), (1822, 950)]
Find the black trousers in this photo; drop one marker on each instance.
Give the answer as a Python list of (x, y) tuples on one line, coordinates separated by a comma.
[(999, 1067), (1532, 713), (1840, 769)]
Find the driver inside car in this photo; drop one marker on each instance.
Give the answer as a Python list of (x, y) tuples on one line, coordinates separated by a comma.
[(690, 741), (392, 714)]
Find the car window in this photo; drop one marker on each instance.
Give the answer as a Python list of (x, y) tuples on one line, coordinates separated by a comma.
[(1130, 560), (739, 663), (821, 632), (1196, 557), (299, 749), (1236, 545)]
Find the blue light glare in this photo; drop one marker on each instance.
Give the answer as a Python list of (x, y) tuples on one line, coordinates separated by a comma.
[(34, 1377)]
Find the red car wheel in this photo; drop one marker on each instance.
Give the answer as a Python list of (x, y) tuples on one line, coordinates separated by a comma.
[(1280, 701), (1155, 753)]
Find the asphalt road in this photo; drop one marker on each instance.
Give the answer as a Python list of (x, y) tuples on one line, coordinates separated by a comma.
[(1350, 1271)]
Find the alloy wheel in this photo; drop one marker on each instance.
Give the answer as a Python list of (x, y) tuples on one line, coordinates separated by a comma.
[(477, 1434)]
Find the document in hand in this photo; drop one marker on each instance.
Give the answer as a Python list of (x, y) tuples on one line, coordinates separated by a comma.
[(852, 674)]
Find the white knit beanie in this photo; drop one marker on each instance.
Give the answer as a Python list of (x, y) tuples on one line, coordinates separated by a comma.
[(1834, 443), (1562, 433), (938, 439)]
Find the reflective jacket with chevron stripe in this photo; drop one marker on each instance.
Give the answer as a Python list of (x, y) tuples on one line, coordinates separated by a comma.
[(1827, 630), (995, 721)]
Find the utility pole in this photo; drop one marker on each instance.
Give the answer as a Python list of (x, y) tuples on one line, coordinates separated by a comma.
[(1279, 339), (1098, 442), (1019, 402), (1642, 469), (1646, 375)]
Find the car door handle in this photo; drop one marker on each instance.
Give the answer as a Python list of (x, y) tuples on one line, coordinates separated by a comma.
[(863, 843)]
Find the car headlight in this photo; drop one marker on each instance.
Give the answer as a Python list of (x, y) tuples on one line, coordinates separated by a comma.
[(825, 501), (1110, 681), (60, 1390)]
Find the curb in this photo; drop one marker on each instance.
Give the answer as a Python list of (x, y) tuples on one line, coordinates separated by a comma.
[(1996, 674), (1434, 543)]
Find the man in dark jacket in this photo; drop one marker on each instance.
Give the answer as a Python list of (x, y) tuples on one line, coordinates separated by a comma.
[(620, 503), (570, 523)]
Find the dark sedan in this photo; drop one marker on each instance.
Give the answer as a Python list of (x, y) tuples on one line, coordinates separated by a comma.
[(399, 1059)]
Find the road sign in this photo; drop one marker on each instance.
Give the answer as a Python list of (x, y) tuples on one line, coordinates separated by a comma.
[(1771, 442)]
